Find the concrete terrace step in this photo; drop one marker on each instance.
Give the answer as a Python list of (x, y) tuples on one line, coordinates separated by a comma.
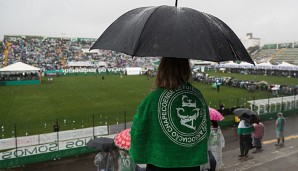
[(269, 154)]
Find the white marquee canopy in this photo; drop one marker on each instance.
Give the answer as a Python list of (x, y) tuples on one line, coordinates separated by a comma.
[(19, 67)]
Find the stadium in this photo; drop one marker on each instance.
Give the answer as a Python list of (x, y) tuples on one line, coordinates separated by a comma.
[(57, 64)]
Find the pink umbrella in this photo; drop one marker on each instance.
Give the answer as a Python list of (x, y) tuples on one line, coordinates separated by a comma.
[(122, 140), (215, 115)]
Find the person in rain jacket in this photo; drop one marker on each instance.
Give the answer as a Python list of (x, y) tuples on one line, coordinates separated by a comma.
[(216, 143), (171, 128), (280, 123)]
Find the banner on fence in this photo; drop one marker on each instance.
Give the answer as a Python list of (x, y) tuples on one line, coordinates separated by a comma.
[(10, 143), (44, 148), (94, 70)]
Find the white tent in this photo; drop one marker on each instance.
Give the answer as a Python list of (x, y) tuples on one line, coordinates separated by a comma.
[(19, 67), (133, 71), (20, 74), (229, 64), (265, 65), (87, 51), (286, 64), (80, 64), (101, 64), (246, 65)]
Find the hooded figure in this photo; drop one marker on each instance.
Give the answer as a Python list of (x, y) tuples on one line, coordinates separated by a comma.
[(216, 143)]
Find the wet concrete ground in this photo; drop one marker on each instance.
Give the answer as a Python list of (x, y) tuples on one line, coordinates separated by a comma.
[(78, 163), (270, 159)]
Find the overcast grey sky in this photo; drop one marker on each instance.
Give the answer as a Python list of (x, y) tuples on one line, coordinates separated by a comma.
[(273, 21)]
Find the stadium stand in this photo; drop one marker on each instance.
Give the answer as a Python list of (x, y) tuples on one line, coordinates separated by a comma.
[(278, 53), (55, 53), (50, 53), (264, 55), (287, 55)]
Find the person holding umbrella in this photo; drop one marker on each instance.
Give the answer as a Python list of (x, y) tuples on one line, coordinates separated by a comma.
[(172, 124), (171, 127), (244, 131), (122, 141)]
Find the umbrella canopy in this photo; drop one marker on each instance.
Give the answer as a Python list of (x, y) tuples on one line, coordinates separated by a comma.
[(168, 31), (240, 111), (102, 143), (122, 140), (215, 115)]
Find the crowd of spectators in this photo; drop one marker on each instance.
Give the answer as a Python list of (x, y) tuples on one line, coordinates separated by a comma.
[(272, 72), (53, 53), (19, 77), (250, 85)]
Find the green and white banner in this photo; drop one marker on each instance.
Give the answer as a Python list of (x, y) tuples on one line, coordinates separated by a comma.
[(11, 143), (44, 148)]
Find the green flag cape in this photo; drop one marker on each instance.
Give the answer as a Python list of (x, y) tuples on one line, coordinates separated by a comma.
[(244, 128), (171, 128)]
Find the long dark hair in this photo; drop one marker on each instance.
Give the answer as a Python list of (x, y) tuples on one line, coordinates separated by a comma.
[(172, 72)]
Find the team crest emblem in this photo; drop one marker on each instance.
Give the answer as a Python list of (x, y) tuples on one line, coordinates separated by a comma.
[(182, 115)]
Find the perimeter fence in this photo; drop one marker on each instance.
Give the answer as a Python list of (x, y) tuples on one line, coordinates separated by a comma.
[(116, 122)]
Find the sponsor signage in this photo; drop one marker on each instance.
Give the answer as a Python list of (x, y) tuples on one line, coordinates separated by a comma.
[(99, 70), (10, 143), (44, 148)]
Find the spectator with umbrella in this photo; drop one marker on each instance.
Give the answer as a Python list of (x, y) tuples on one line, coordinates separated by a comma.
[(244, 131), (108, 155), (172, 122), (122, 141), (114, 153)]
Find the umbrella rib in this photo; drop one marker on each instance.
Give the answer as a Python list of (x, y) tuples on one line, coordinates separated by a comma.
[(206, 23), (138, 44)]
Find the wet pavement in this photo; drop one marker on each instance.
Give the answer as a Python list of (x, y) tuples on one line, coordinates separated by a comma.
[(271, 159), (77, 163)]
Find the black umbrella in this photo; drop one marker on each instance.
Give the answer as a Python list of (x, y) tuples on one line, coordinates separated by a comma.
[(168, 31), (102, 143), (240, 111)]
